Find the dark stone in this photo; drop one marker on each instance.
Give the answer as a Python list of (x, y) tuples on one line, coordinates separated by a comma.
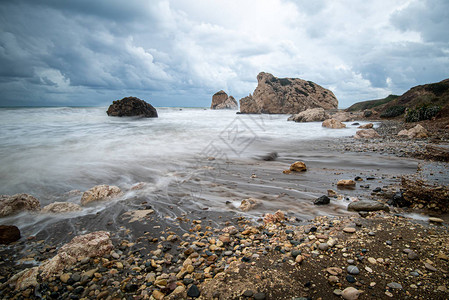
[(259, 296), (187, 281), (193, 291), (248, 293), (9, 234), (296, 253), (355, 124), (131, 288), (399, 200), (313, 229), (363, 214), (131, 106), (270, 156), (350, 279), (358, 178), (246, 259), (322, 200), (377, 190)]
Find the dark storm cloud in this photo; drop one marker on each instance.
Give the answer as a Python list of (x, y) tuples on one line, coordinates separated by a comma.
[(181, 52)]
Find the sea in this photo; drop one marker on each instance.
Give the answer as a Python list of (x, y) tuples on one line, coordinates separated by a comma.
[(57, 153)]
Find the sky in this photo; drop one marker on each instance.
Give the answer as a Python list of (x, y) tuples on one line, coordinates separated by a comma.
[(180, 52)]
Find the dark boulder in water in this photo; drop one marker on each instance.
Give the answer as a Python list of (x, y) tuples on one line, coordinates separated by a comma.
[(9, 234), (130, 107)]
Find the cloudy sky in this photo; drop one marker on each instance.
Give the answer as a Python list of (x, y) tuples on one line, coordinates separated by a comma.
[(180, 52)]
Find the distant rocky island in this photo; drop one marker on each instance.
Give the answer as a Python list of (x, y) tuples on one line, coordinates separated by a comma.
[(131, 107), (286, 96), (221, 100)]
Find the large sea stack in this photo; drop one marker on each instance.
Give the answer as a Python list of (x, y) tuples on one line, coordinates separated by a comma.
[(131, 107), (286, 96), (221, 100)]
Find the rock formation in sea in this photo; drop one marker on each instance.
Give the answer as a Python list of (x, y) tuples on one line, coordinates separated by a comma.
[(286, 96), (130, 107), (221, 100), (10, 205)]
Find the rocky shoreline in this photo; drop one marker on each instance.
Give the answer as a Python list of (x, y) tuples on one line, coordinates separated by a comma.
[(210, 254)]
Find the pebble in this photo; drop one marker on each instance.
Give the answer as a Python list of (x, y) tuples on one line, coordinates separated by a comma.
[(349, 229), (259, 296), (296, 253), (227, 253), (436, 220), (193, 291), (430, 267), (338, 292), (115, 255), (389, 243), (394, 285), (299, 259), (158, 295), (372, 260), (414, 273), (333, 279), (323, 246), (371, 233), (350, 293), (248, 293), (353, 270), (350, 279), (64, 277), (350, 261), (103, 294)]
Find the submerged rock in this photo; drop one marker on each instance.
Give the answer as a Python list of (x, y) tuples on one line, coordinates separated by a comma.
[(366, 126), (100, 193), (9, 234), (61, 207), (130, 107), (248, 204), (10, 205), (221, 100), (322, 200), (286, 96)]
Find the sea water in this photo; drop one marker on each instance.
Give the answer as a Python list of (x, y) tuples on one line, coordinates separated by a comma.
[(46, 152)]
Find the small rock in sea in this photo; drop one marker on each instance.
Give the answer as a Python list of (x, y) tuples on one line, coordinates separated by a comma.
[(323, 246), (9, 234), (322, 200), (348, 183), (349, 229), (353, 270), (436, 220), (193, 291), (394, 285), (358, 178), (259, 296), (350, 279), (270, 156), (350, 293), (377, 190), (298, 166)]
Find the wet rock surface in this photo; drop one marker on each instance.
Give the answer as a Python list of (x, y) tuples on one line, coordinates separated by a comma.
[(131, 107)]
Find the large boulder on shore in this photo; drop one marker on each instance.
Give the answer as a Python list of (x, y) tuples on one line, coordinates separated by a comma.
[(95, 244), (286, 96), (317, 114), (221, 100), (10, 205), (417, 132), (131, 107)]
